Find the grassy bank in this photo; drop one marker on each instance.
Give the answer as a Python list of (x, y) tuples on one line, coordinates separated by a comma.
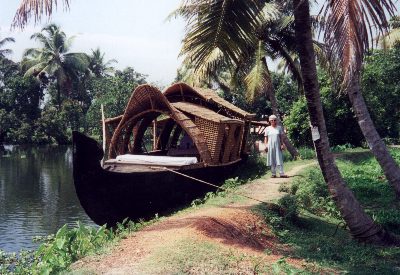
[(312, 225), (57, 252)]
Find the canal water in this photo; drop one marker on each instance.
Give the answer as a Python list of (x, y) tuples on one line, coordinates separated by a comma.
[(37, 195)]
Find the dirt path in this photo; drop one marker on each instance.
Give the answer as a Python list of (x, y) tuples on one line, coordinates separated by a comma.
[(231, 228)]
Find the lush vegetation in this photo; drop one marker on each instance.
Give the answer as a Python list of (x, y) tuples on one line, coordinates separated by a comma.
[(41, 107), (57, 252), (380, 88), (69, 87), (312, 225), (53, 91)]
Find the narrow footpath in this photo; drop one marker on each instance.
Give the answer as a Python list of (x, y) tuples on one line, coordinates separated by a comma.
[(221, 238)]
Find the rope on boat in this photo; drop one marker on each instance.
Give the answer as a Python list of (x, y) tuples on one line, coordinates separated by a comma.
[(202, 181)]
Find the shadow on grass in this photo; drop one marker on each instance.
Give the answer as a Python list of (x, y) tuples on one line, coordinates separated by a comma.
[(317, 240)]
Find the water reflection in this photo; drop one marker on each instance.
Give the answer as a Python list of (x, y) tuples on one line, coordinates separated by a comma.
[(37, 195)]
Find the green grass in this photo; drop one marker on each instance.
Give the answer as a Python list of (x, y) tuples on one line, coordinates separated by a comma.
[(204, 257), (317, 240), (313, 226), (254, 168)]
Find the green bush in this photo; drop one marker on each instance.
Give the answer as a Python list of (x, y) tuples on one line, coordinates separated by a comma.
[(312, 194), (289, 204), (365, 178), (306, 153), (319, 237), (57, 252)]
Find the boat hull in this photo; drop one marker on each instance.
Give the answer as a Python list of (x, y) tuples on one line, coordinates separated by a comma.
[(109, 197)]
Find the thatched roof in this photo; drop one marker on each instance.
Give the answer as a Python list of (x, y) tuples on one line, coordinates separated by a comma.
[(202, 112), (185, 92)]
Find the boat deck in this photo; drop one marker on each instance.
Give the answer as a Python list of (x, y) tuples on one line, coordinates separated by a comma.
[(122, 167)]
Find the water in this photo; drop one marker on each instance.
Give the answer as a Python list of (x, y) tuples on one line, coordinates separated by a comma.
[(37, 194)]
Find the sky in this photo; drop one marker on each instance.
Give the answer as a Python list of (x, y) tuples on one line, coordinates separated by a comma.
[(134, 32)]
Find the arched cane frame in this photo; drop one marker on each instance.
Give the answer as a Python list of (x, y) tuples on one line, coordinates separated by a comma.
[(146, 100)]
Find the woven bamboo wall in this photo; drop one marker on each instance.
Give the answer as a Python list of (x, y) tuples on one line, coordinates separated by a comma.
[(213, 134)]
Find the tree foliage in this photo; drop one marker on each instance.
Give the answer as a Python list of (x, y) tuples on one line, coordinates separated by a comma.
[(53, 91), (381, 89)]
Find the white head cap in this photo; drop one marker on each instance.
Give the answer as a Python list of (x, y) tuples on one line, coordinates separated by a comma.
[(271, 117)]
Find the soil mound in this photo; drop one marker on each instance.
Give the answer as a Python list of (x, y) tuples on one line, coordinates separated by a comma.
[(238, 228)]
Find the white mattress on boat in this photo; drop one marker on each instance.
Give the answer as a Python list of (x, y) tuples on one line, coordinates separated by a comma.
[(156, 160)]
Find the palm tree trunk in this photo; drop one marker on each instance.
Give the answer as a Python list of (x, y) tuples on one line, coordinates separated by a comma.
[(361, 226), (289, 60), (375, 143), (58, 94)]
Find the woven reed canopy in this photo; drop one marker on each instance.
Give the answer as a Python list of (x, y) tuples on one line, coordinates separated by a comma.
[(202, 112), (207, 97), (215, 126)]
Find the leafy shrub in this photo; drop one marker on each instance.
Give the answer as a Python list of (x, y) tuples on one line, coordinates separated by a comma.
[(306, 153), (289, 203), (312, 194), (341, 147), (282, 215), (389, 218), (254, 167), (364, 177), (69, 245), (395, 152), (58, 251), (284, 188)]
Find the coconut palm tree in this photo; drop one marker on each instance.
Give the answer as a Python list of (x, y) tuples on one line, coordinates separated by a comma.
[(53, 60), (212, 55), (216, 47), (361, 226), (347, 35), (4, 52), (98, 66)]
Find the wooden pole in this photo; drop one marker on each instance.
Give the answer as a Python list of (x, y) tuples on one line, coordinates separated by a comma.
[(103, 121), (154, 134)]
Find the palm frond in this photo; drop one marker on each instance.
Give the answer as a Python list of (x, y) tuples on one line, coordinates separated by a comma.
[(288, 57), (187, 10), (34, 70), (51, 68), (6, 40), (35, 8), (68, 43), (258, 80), (271, 12), (349, 30), (187, 74), (211, 62), (76, 61), (5, 52), (390, 39), (223, 26), (331, 66)]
